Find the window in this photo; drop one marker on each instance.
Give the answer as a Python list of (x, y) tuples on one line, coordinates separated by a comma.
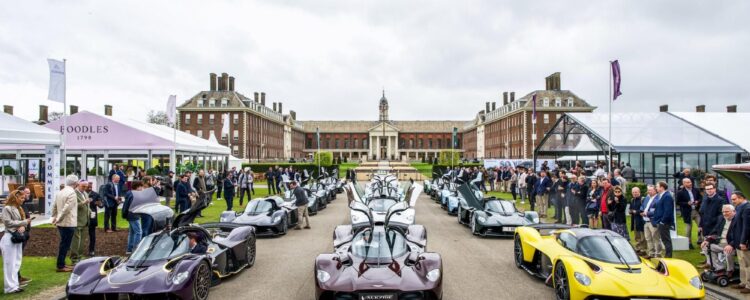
[(200, 103), (429, 143), (308, 143), (199, 133), (211, 133), (558, 102), (224, 102), (236, 119), (200, 119), (336, 143), (346, 143), (354, 143), (187, 131), (545, 102), (211, 119), (235, 150), (187, 119), (236, 135), (212, 102), (421, 143), (364, 143), (223, 137), (546, 118), (557, 117), (570, 102), (411, 143)]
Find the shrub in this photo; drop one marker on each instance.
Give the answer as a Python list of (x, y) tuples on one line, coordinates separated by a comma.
[(448, 157), (325, 157), (153, 172), (8, 170), (631, 185)]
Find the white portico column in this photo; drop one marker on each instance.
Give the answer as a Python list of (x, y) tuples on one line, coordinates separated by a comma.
[(377, 148)]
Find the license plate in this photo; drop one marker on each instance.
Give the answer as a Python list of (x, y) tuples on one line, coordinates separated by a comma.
[(509, 229), (378, 297)]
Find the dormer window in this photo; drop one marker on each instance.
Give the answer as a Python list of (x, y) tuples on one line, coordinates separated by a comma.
[(224, 102), (545, 102), (570, 102), (558, 102), (212, 102), (200, 103)]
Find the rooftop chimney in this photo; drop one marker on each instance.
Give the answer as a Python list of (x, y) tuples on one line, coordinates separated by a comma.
[(732, 108), (108, 110), (281, 111), (664, 108), (43, 113), (274, 106), (8, 109), (224, 82), (256, 97), (552, 82), (212, 81), (700, 108), (505, 98), (487, 106), (73, 110), (493, 105), (512, 97), (263, 98), (293, 114), (231, 83)]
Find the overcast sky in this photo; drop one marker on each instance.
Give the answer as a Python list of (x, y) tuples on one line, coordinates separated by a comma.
[(330, 59)]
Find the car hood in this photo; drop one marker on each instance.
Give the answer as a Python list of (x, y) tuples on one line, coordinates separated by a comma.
[(261, 219), (513, 219), (378, 278), (646, 282)]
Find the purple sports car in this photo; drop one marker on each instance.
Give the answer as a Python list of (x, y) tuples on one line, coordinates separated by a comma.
[(164, 267), (379, 262)]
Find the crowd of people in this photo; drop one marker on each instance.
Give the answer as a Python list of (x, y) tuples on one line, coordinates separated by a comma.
[(600, 200)]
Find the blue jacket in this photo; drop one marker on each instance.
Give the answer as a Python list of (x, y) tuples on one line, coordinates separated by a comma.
[(664, 210), (542, 185), (738, 230), (182, 191), (126, 207)]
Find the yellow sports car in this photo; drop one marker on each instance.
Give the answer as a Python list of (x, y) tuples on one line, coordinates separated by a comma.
[(583, 263)]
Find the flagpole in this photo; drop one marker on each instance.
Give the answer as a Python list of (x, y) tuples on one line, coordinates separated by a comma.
[(609, 167), (65, 119)]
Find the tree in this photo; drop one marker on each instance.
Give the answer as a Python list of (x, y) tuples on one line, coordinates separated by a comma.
[(54, 116), (158, 117), (326, 158), (448, 157)]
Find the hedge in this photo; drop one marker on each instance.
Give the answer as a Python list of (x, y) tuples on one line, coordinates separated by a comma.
[(631, 185), (263, 167), (326, 158), (446, 156), (8, 170)]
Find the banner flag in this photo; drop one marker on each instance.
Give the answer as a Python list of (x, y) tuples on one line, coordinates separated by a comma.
[(533, 113), (616, 79), (171, 108), (56, 80), (225, 127)]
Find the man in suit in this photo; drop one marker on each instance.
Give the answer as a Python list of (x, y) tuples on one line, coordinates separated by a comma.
[(270, 181), (689, 200), (64, 216), (716, 241), (121, 173), (663, 217), (530, 187), (636, 221), (182, 191), (82, 223), (95, 202), (653, 242), (245, 183), (711, 205), (112, 197), (737, 239), (196, 247), (542, 187)]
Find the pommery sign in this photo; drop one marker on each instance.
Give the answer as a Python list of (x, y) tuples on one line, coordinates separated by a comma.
[(51, 177)]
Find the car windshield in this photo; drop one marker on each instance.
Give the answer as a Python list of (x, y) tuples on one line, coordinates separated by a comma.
[(499, 206), (603, 249), (258, 207), (378, 245), (381, 205), (160, 247)]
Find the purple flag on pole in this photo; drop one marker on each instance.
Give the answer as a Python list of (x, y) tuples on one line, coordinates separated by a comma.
[(533, 113), (616, 79)]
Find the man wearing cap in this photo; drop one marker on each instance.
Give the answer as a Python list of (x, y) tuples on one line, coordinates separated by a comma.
[(301, 203), (64, 216)]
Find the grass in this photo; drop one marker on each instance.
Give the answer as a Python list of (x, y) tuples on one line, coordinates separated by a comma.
[(343, 167), (692, 256), (41, 270), (424, 168)]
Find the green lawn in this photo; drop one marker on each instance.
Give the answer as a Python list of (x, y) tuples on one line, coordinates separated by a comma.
[(692, 256), (343, 167), (424, 168), (42, 274)]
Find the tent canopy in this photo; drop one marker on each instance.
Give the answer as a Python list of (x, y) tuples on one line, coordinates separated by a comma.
[(722, 124), (17, 131), (91, 132), (587, 133)]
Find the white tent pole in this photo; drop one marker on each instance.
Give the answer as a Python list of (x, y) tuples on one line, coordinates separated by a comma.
[(65, 122)]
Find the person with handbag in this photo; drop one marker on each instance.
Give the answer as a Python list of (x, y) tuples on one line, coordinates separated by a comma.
[(11, 243)]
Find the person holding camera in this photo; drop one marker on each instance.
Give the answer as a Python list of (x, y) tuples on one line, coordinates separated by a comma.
[(11, 243)]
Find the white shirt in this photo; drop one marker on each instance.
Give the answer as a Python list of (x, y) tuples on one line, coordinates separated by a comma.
[(648, 206)]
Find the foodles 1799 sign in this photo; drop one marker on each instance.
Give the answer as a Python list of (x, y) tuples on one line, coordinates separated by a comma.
[(84, 132)]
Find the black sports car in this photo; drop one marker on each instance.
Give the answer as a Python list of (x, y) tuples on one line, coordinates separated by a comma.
[(270, 216), (491, 216)]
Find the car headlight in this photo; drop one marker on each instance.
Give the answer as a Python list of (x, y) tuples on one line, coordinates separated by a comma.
[(696, 282), (180, 277), (74, 278), (481, 219), (582, 279), (276, 219), (433, 275), (323, 276)]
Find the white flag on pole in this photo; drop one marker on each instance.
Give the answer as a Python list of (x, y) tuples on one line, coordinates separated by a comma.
[(56, 80), (171, 108), (225, 127)]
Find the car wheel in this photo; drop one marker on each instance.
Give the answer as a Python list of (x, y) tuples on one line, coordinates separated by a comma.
[(201, 281), (458, 213), (562, 288), (250, 252), (285, 226), (518, 251), (474, 225)]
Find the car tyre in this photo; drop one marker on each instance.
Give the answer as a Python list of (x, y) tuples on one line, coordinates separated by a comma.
[(518, 251), (723, 281), (250, 252), (459, 214), (285, 226), (201, 281), (562, 287), (474, 225)]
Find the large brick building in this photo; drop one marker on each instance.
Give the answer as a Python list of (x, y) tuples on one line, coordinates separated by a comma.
[(264, 133)]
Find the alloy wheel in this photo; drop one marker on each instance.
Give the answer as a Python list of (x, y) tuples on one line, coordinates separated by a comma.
[(562, 289), (518, 251), (202, 282), (250, 252)]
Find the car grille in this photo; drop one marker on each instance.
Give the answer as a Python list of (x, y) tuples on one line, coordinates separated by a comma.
[(499, 231), (379, 295)]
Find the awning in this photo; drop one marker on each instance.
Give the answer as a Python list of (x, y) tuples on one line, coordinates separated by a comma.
[(17, 131)]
